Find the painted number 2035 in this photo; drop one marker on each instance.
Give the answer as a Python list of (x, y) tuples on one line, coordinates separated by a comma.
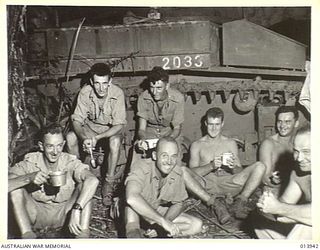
[(177, 62)]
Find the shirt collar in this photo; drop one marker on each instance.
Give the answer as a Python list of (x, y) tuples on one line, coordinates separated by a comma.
[(171, 96), (110, 94)]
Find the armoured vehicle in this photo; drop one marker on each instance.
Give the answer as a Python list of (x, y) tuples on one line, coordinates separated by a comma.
[(242, 67)]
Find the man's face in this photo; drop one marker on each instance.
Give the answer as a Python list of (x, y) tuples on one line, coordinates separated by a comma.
[(286, 124), (100, 85), (302, 151), (52, 146), (166, 157), (158, 90), (214, 126)]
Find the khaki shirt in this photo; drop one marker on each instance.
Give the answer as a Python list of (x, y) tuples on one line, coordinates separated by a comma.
[(172, 112), (34, 162), (100, 117), (173, 189)]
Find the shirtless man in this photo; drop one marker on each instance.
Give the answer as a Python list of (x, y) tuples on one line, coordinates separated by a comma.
[(218, 178), (292, 211), (276, 152)]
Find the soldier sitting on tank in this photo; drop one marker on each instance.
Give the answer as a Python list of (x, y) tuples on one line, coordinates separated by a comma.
[(48, 185), (291, 213), (99, 115), (155, 192), (160, 110), (214, 163), (276, 152)]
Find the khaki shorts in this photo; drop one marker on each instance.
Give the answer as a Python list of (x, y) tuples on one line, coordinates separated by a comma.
[(220, 185), (51, 215)]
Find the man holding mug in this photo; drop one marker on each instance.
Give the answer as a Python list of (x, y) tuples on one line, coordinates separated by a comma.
[(215, 164), (37, 198)]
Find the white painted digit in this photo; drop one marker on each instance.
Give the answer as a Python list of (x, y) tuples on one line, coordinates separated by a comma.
[(198, 62), (176, 62), (166, 61), (188, 61)]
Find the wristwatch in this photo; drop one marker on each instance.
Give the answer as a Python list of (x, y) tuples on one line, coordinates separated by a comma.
[(77, 206)]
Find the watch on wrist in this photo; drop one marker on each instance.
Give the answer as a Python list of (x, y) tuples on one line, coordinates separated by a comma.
[(77, 206)]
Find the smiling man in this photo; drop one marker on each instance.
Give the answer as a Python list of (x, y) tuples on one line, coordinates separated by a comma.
[(155, 192), (292, 210), (37, 204), (160, 109), (217, 177), (276, 152), (99, 115)]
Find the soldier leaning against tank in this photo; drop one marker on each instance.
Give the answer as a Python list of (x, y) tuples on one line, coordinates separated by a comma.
[(291, 213), (160, 111), (99, 114), (40, 201), (215, 166), (276, 151)]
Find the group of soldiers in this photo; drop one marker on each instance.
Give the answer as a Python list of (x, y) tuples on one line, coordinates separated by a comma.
[(156, 187)]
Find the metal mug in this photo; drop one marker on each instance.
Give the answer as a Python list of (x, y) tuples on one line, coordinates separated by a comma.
[(225, 158), (58, 178)]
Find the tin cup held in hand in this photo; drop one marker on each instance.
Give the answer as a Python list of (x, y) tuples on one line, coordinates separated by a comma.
[(225, 159), (58, 178)]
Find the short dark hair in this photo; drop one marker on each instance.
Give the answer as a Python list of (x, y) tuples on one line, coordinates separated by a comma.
[(166, 139), (158, 73), (215, 113), (304, 129), (100, 69), (52, 128), (287, 109)]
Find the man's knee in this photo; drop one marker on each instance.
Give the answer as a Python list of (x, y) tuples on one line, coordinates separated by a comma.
[(196, 225), (71, 139), (17, 195), (115, 142), (259, 167)]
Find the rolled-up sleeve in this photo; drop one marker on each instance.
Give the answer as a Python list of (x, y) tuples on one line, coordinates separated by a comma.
[(81, 110), (119, 110), (142, 111), (78, 170), (178, 117)]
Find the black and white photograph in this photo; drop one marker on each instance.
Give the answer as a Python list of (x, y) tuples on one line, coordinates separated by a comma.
[(159, 122)]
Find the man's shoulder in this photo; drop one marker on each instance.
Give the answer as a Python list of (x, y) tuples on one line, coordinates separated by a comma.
[(85, 90), (198, 144), (175, 95), (67, 158), (32, 157), (143, 165), (270, 141), (116, 90), (145, 95)]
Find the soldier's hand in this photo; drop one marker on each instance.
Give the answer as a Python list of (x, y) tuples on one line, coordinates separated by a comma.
[(217, 162), (89, 144), (39, 178), (74, 223), (143, 145)]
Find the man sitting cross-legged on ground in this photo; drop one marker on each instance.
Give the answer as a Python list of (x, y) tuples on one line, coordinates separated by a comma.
[(38, 202), (155, 192), (291, 213), (216, 180)]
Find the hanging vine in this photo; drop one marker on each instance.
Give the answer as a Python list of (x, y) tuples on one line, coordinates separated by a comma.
[(16, 76)]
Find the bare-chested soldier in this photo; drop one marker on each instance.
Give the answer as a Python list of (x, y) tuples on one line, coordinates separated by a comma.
[(218, 177), (276, 152)]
